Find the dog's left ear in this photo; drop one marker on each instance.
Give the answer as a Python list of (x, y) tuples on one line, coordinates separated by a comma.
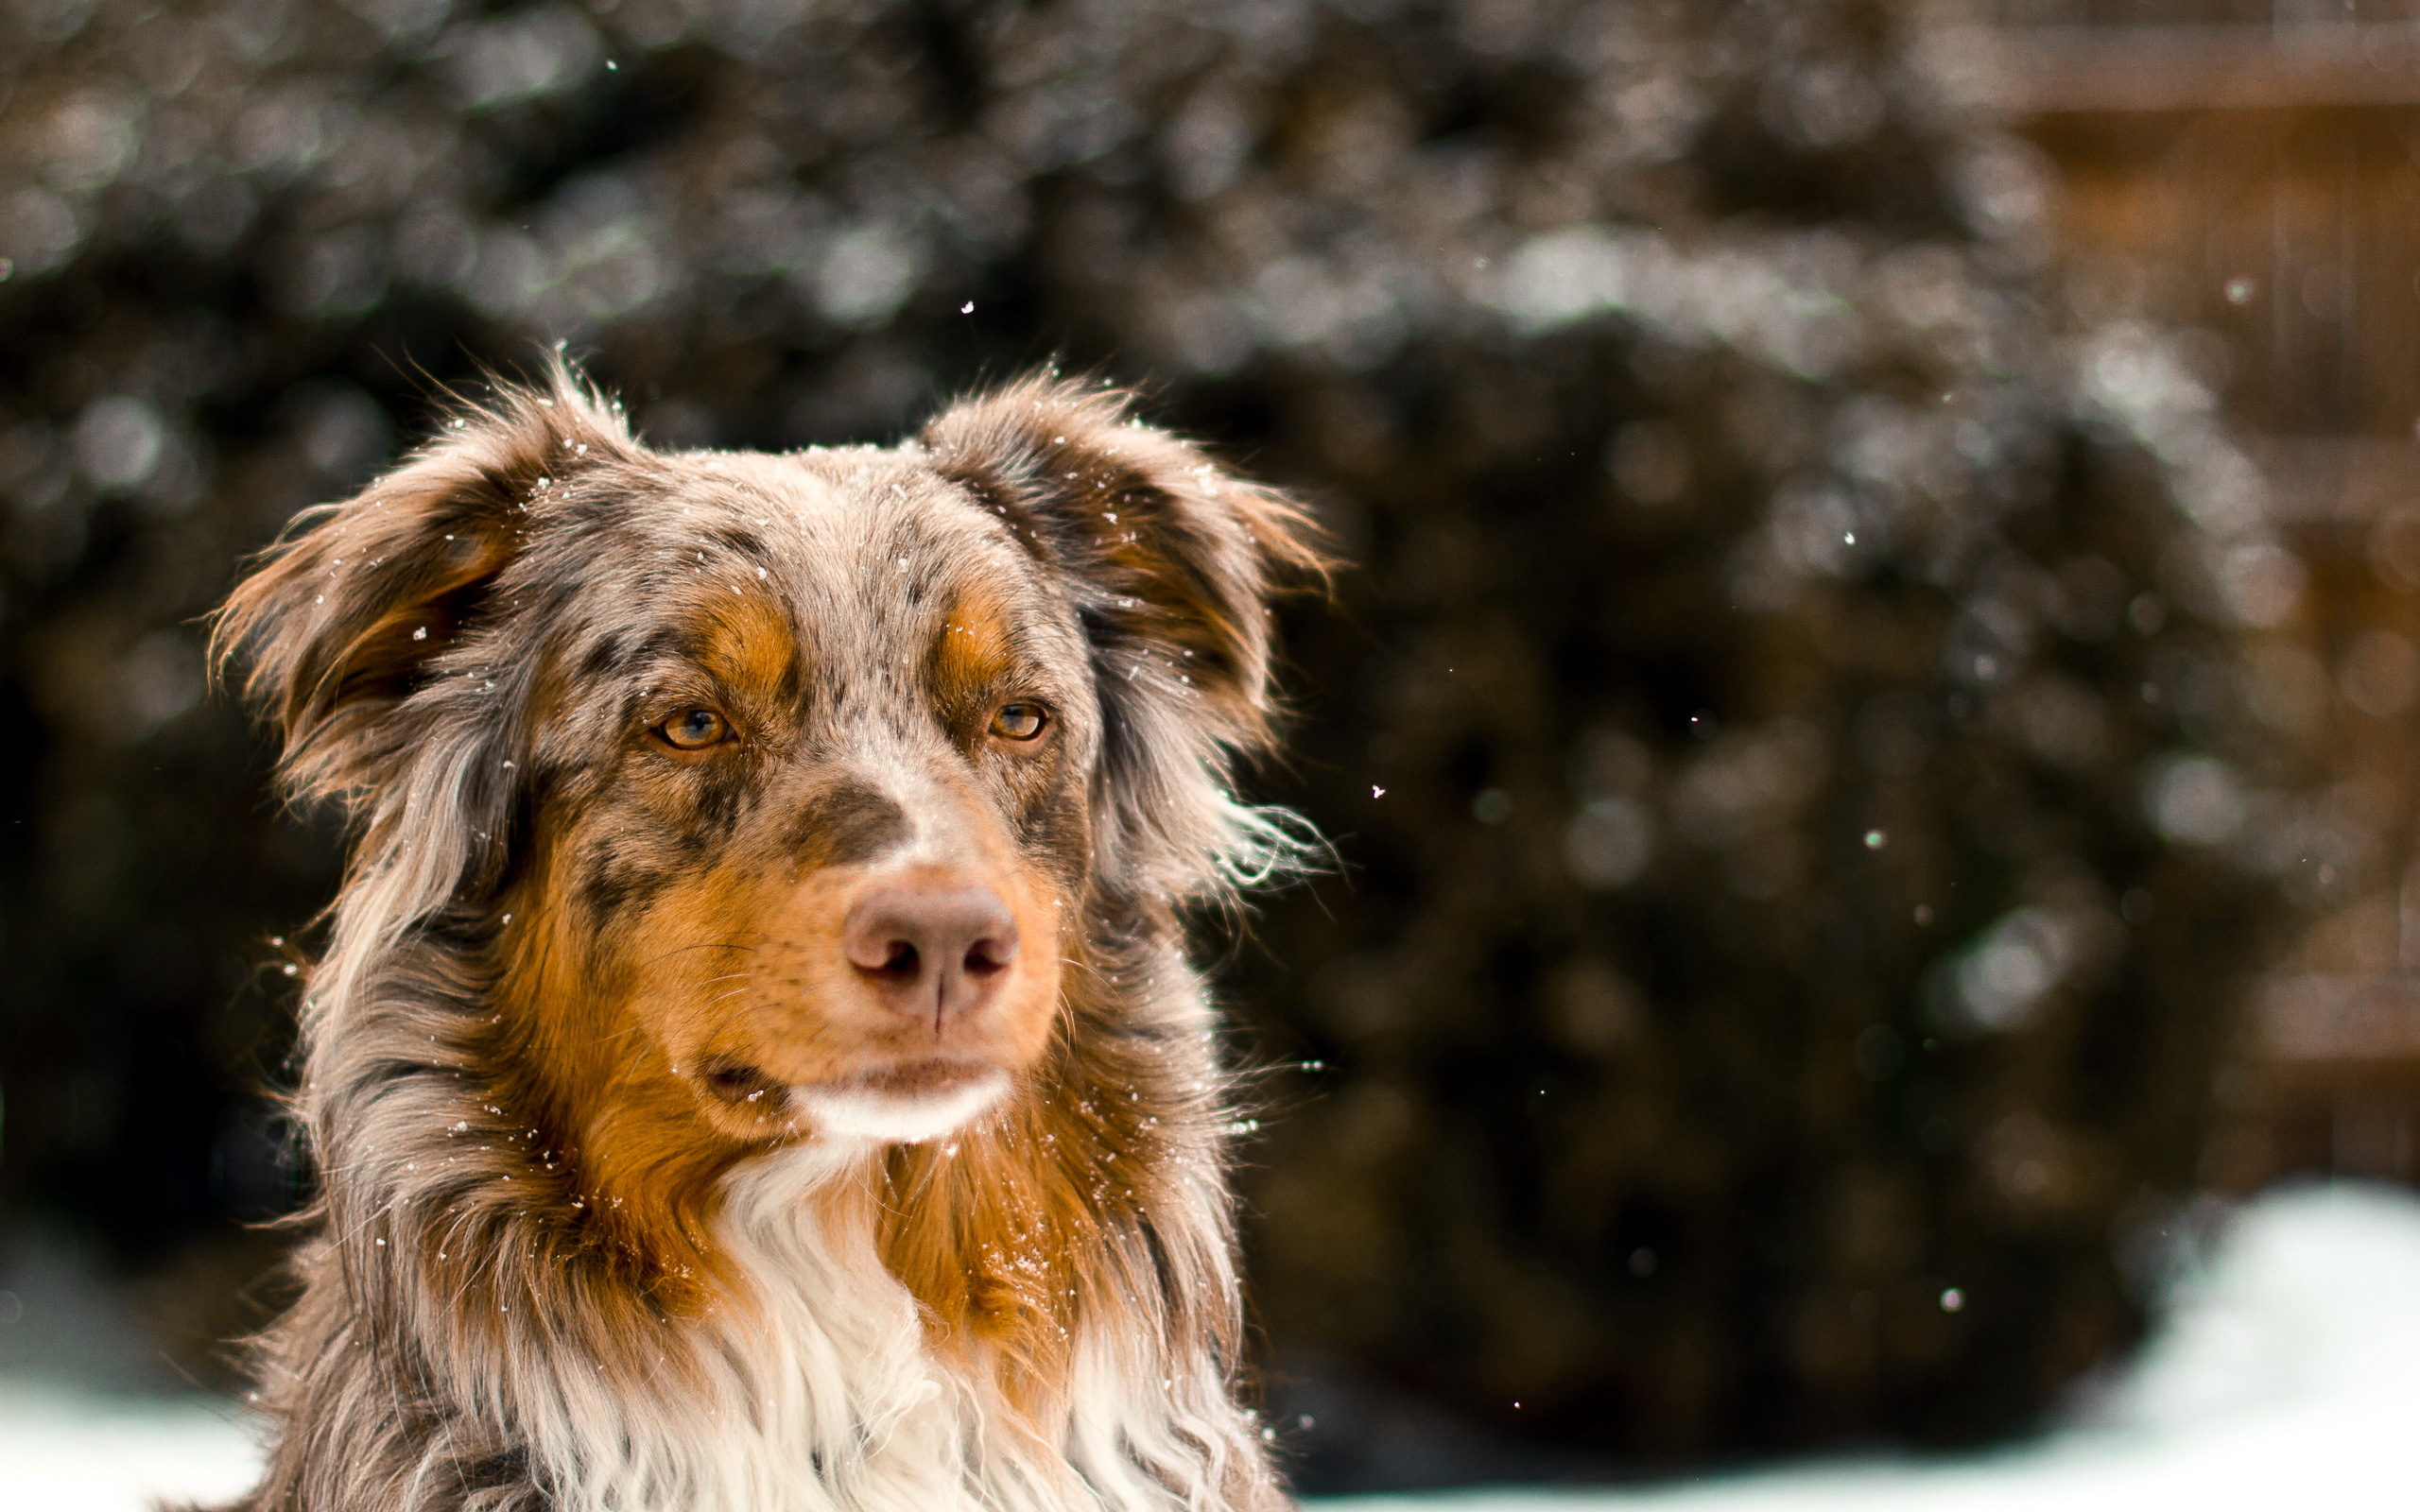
[(1171, 560), (1173, 557)]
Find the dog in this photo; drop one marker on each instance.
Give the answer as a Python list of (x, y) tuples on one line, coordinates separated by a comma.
[(753, 1063)]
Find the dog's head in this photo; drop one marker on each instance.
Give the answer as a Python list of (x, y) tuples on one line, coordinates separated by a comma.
[(772, 791)]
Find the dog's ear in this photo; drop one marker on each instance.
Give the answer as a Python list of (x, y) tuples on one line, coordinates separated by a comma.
[(1171, 554), (1171, 560), (338, 623)]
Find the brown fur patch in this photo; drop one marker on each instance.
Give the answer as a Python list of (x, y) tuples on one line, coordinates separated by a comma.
[(1001, 1232)]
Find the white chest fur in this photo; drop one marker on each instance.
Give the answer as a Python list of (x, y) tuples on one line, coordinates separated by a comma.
[(826, 1397)]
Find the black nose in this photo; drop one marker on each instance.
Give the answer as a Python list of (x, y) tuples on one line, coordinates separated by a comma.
[(933, 952)]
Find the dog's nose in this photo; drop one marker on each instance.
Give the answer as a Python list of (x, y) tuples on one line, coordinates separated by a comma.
[(932, 951)]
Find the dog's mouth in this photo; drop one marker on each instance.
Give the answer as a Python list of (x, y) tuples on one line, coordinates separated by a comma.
[(743, 1087), (929, 1076), (906, 1102)]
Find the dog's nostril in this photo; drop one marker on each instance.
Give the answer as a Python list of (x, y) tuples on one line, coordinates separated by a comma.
[(986, 956), (903, 961)]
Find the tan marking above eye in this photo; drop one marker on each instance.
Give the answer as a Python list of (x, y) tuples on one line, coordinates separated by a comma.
[(1019, 721), (694, 730)]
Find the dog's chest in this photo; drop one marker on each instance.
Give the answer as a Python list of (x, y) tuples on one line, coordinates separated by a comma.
[(823, 1397)]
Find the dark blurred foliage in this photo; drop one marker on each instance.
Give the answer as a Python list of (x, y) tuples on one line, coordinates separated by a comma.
[(1802, 834)]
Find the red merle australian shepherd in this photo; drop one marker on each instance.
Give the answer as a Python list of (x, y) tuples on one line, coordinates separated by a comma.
[(754, 1064)]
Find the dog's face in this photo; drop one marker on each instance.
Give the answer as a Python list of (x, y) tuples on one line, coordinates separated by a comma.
[(776, 793), (812, 739)]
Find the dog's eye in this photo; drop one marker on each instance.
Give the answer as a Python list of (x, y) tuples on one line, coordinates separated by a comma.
[(1019, 721), (694, 730)]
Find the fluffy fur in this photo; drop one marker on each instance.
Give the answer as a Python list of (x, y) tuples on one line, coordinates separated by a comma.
[(631, 1196)]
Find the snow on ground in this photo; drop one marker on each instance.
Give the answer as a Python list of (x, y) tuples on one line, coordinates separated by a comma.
[(2288, 1377), (66, 1451)]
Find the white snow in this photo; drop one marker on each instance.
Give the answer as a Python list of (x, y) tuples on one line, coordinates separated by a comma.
[(63, 1450), (2288, 1377)]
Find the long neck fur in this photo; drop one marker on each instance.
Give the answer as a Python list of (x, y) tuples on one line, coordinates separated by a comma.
[(1039, 1314)]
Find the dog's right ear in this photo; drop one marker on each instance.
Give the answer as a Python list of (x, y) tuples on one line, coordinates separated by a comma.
[(337, 624)]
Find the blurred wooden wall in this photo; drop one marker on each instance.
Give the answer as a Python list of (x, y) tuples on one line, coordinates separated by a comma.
[(2250, 173)]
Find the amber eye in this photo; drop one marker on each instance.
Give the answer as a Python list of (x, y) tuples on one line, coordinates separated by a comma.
[(694, 730), (1019, 721)]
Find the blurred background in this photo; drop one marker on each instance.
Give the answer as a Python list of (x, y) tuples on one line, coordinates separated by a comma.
[(1868, 736)]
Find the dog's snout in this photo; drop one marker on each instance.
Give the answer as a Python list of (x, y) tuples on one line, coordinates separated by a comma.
[(932, 951)]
